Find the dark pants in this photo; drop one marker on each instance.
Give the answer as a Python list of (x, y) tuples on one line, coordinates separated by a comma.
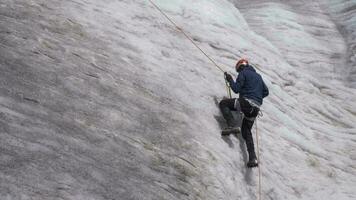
[(250, 113)]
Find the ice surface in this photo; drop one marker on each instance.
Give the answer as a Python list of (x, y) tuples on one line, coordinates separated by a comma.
[(107, 100)]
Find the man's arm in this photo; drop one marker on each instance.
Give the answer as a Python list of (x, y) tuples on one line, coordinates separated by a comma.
[(265, 90), (236, 86)]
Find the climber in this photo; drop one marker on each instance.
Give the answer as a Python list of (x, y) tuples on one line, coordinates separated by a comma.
[(252, 89)]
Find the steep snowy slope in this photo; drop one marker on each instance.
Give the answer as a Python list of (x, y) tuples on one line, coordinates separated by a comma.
[(344, 14), (106, 100)]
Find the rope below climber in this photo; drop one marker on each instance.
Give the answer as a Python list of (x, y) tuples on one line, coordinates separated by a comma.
[(247, 104)]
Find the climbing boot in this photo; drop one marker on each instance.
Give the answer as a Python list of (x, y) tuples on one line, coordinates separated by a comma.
[(252, 163), (230, 130), (232, 126)]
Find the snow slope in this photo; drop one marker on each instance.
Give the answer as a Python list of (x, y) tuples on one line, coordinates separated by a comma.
[(106, 100)]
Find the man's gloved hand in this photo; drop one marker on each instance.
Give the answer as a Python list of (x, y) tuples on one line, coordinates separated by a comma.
[(228, 77)]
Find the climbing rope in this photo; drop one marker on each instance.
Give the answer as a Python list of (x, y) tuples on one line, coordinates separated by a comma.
[(192, 41), (259, 163), (227, 85), (228, 89)]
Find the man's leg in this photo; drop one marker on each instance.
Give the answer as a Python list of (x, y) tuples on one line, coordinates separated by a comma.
[(247, 135), (226, 106), (247, 123)]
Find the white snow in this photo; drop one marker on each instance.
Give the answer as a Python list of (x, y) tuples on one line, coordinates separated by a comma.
[(169, 92), (307, 132)]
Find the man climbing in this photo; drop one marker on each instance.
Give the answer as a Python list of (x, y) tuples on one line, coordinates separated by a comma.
[(252, 90)]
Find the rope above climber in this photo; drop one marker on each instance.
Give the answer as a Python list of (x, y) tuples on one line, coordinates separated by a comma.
[(252, 90)]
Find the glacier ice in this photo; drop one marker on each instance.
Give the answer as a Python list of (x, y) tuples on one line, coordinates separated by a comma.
[(107, 100)]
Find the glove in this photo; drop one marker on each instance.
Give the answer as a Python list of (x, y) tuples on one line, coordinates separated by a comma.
[(228, 77)]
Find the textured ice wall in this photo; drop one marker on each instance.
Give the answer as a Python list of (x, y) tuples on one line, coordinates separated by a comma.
[(105, 100), (343, 14)]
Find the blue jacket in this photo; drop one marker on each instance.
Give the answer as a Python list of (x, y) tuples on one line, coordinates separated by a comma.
[(250, 85)]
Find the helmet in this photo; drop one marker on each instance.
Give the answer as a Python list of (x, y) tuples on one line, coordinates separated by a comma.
[(241, 64)]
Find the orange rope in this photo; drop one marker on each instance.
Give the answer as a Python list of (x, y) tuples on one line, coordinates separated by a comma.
[(259, 165), (217, 66), (186, 35)]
